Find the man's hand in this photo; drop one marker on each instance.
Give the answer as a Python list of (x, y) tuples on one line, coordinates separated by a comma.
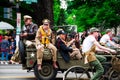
[(72, 40), (107, 51), (75, 49), (40, 46), (25, 34), (113, 51)]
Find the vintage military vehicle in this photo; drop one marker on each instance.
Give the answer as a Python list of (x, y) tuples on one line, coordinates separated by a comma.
[(28, 57)]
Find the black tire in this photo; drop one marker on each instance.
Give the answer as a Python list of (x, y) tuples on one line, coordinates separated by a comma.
[(47, 72), (21, 46), (114, 75), (80, 73)]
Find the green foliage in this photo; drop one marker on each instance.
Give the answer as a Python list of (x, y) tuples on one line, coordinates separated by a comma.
[(56, 11), (97, 13)]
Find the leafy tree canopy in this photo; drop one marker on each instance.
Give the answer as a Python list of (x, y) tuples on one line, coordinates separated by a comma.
[(89, 13)]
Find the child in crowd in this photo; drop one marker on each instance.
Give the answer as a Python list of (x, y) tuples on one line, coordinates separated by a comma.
[(12, 47), (5, 49)]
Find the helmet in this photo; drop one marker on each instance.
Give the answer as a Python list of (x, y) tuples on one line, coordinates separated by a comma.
[(93, 29), (46, 21)]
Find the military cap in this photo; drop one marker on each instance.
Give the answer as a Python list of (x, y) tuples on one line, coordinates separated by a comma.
[(61, 32), (27, 17), (94, 30), (108, 30), (46, 21)]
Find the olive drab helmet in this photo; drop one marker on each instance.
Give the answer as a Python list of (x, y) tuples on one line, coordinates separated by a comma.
[(46, 21)]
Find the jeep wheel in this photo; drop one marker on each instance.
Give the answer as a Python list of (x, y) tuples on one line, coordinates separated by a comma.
[(47, 72), (22, 51)]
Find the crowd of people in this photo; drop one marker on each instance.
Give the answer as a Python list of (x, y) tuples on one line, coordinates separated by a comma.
[(7, 46), (68, 48)]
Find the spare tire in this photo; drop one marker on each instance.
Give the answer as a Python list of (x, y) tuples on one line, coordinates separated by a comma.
[(21, 46)]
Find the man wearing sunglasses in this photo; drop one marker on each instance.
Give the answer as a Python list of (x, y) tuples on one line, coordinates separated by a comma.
[(42, 39)]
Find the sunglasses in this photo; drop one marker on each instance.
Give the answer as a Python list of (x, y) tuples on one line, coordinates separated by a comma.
[(45, 24)]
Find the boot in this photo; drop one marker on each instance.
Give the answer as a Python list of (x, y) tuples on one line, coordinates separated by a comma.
[(39, 67), (55, 65)]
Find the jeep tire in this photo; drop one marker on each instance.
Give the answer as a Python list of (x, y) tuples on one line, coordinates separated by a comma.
[(46, 73)]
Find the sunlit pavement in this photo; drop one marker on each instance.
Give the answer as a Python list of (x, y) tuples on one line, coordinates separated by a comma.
[(15, 72)]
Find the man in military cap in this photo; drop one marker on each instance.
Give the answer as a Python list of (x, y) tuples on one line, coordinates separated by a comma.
[(106, 39), (42, 39), (29, 29), (65, 49), (28, 36), (89, 46)]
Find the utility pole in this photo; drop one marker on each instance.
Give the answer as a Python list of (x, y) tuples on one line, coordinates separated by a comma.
[(18, 22)]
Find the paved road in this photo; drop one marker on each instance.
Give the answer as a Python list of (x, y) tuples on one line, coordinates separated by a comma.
[(15, 72)]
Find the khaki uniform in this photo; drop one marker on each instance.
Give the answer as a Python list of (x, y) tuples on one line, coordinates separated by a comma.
[(43, 38)]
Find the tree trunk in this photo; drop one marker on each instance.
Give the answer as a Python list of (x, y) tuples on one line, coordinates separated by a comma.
[(43, 10)]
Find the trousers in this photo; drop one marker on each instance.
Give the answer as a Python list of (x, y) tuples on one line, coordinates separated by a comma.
[(40, 53), (98, 67), (5, 56)]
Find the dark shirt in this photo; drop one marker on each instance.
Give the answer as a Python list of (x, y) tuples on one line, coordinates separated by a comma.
[(9, 36), (5, 45), (31, 31), (63, 49)]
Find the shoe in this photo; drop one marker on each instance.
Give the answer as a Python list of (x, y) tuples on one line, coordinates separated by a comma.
[(39, 67), (24, 67), (2, 62), (16, 63), (6, 62), (55, 65), (9, 62)]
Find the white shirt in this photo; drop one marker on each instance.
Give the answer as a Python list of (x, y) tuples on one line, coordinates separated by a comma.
[(105, 38), (88, 43)]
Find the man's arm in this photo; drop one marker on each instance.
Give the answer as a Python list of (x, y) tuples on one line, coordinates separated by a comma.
[(104, 48), (38, 37), (113, 44), (35, 28)]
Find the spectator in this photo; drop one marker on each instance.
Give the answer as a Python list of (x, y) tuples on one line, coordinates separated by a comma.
[(5, 49), (9, 35), (14, 34), (0, 41), (12, 47)]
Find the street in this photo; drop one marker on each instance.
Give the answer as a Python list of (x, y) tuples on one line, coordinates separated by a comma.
[(15, 72)]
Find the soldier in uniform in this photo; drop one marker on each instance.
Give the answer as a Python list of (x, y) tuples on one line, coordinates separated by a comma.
[(28, 34), (89, 46), (106, 39), (65, 49), (29, 30), (43, 40)]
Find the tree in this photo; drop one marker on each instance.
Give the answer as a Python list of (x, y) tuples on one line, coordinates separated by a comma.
[(95, 13), (39, 11), (42, 10)]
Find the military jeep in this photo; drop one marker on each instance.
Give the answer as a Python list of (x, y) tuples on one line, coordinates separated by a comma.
[(48, 72)]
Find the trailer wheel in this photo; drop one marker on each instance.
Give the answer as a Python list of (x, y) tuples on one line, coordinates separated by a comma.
[(77, 72), (114, 75)]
